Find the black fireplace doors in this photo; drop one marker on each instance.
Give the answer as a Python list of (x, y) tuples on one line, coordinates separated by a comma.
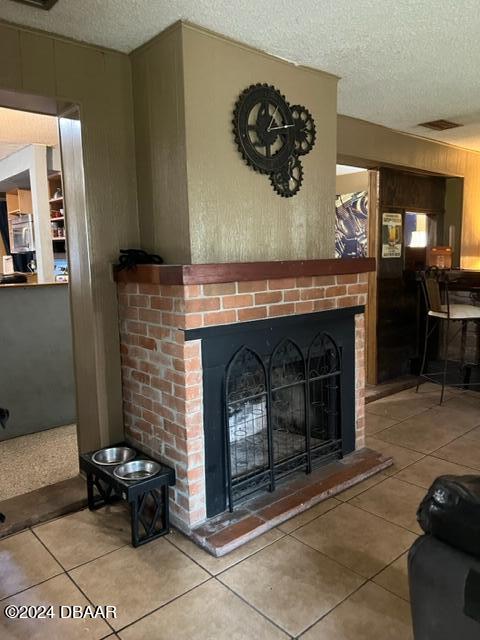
[(278, 396), (280, 415)]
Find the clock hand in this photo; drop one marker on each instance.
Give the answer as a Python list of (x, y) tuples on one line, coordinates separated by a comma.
[(285, 126), (269, 128)]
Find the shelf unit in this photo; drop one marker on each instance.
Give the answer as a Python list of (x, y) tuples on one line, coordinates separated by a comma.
[(19, 201), (55, 192)]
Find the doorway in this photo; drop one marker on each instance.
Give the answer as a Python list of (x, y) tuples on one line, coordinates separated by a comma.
[(414, 215), (38, 441), (49, 371)]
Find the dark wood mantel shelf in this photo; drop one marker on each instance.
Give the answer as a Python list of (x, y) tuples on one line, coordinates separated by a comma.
[(174, 274)]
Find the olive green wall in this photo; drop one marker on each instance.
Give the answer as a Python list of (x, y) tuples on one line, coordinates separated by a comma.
[(372, 144), (352, 182), (234, 213), (157, 71), (99, 81), (198, 201)]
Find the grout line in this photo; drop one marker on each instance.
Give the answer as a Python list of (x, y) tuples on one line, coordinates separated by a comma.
[(107, 553), (32, 586), (149, 613), (82, 564), (106, 620), (70, 578), (252, 606), (357, 506), (214, 575), (336, 606)]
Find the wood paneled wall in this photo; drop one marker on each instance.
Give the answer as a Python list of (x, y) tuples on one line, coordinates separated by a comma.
[(411, 191), (99, 81)]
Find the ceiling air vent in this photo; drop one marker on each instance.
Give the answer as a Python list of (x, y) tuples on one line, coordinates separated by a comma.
[(440, 125), (40, 4)]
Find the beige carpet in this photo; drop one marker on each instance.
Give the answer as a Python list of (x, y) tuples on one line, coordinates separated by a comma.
[(37, 460)]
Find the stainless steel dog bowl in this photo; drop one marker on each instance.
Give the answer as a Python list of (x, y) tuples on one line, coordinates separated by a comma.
[(113, 455), (136, 470)]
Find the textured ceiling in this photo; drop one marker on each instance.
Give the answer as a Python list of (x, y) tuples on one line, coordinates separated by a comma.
[(345, 169), (7, 148), (18, 128), (401, 63)]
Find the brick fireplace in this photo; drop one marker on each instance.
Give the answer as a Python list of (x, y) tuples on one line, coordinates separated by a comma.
[(168, 315)]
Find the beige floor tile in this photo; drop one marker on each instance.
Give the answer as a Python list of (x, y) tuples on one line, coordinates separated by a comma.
[(137, 581), (430, 387), (402, 457), (56, 591), (291, 584), (371, 613), (309, 515), (470, 393), (209, 612), (356, 539), (86, 535), (401, 405), (394, 500), (430, 430), (24, 562), (474, 434), (465, 412), (394, 578), (216, 565), (361, 487), (462, 451), (374, 423), (471, 400), (424, 472)]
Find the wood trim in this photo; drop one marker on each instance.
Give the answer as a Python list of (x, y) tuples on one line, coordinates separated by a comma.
[(242, 271), (373, 250)]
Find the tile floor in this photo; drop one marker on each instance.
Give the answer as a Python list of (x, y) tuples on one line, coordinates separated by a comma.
[(335, 572)]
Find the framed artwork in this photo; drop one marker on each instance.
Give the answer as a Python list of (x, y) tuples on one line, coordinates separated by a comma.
[(392, 235)]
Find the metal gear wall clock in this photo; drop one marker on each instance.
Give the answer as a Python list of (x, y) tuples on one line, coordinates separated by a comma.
[(271, 136)]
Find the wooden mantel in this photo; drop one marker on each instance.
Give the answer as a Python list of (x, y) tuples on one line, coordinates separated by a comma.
[(184, 274)]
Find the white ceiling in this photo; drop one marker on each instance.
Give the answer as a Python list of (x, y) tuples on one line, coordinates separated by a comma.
[(345, 169), (19, 128), (401, 63), (7, 148)]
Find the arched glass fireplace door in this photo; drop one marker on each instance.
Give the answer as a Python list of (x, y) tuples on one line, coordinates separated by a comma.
[(282, 413)]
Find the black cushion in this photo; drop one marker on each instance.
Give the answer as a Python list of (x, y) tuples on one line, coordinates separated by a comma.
[(451, 512)]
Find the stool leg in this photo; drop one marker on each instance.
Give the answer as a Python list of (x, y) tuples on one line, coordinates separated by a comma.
[(424, 359), (445, 359), (463, 349)]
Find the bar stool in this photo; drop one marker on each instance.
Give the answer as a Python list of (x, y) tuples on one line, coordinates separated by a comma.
[(443, 312)]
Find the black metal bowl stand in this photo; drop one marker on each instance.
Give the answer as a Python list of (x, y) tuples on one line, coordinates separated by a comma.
[(147, 499)]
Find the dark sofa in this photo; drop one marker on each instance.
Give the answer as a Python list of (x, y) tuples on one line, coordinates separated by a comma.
[(444, 591)]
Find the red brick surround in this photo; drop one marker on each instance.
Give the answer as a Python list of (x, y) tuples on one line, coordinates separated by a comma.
[(162, 373)]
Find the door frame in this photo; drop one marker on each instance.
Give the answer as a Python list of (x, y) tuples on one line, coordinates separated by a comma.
[(94, 426)]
